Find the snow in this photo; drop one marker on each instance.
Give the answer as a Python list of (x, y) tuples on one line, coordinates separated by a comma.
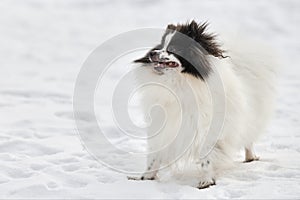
[(43, 45)]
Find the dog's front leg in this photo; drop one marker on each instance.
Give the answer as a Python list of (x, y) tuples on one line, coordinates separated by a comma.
[(206, 173), (153, 164)]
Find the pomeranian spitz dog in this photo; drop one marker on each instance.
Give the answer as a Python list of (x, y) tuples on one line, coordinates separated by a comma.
[(247, 73)]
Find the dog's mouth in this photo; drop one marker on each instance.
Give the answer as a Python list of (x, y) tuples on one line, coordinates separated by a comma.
[(164, 64), (160, 66)]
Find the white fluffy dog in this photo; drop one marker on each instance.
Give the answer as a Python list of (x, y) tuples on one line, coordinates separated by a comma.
[(194, 71)]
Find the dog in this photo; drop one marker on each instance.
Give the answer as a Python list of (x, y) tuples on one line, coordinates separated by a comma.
[(247, 72)]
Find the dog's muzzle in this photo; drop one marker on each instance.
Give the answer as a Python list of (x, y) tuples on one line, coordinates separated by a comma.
[(162, 60)]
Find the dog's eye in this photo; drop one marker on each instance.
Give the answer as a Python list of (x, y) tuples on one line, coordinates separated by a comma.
[(171, 49)]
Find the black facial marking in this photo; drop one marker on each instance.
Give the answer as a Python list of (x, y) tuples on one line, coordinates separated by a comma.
[(192, 56), (206, 40)]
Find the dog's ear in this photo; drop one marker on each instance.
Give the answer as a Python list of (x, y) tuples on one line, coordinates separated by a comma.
[(194, 27), (171, 27), (207, 40)]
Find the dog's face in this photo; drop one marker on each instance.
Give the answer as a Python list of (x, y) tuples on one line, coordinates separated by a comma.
[(162, 57), (176, 54)]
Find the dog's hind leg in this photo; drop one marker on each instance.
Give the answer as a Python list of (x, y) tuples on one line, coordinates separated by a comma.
[(250, 155)]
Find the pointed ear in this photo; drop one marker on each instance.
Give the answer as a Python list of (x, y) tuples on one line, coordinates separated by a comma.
[(171, 26), (194, 26)]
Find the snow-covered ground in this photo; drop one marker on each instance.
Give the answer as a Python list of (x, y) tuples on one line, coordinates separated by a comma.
[(43, 45)]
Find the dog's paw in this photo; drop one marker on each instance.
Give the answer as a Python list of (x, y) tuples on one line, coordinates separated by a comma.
[(206, 183), (148, 178), (254, 158), (142, 178), (206, 174), (250, 155), (134, 178)]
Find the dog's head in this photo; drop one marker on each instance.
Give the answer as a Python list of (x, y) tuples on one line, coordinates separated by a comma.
[(176, 53)]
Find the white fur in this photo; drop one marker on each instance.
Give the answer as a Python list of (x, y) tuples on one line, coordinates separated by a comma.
[(248, 79)]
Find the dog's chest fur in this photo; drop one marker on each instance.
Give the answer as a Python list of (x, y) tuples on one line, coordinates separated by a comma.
[(185, 104)]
